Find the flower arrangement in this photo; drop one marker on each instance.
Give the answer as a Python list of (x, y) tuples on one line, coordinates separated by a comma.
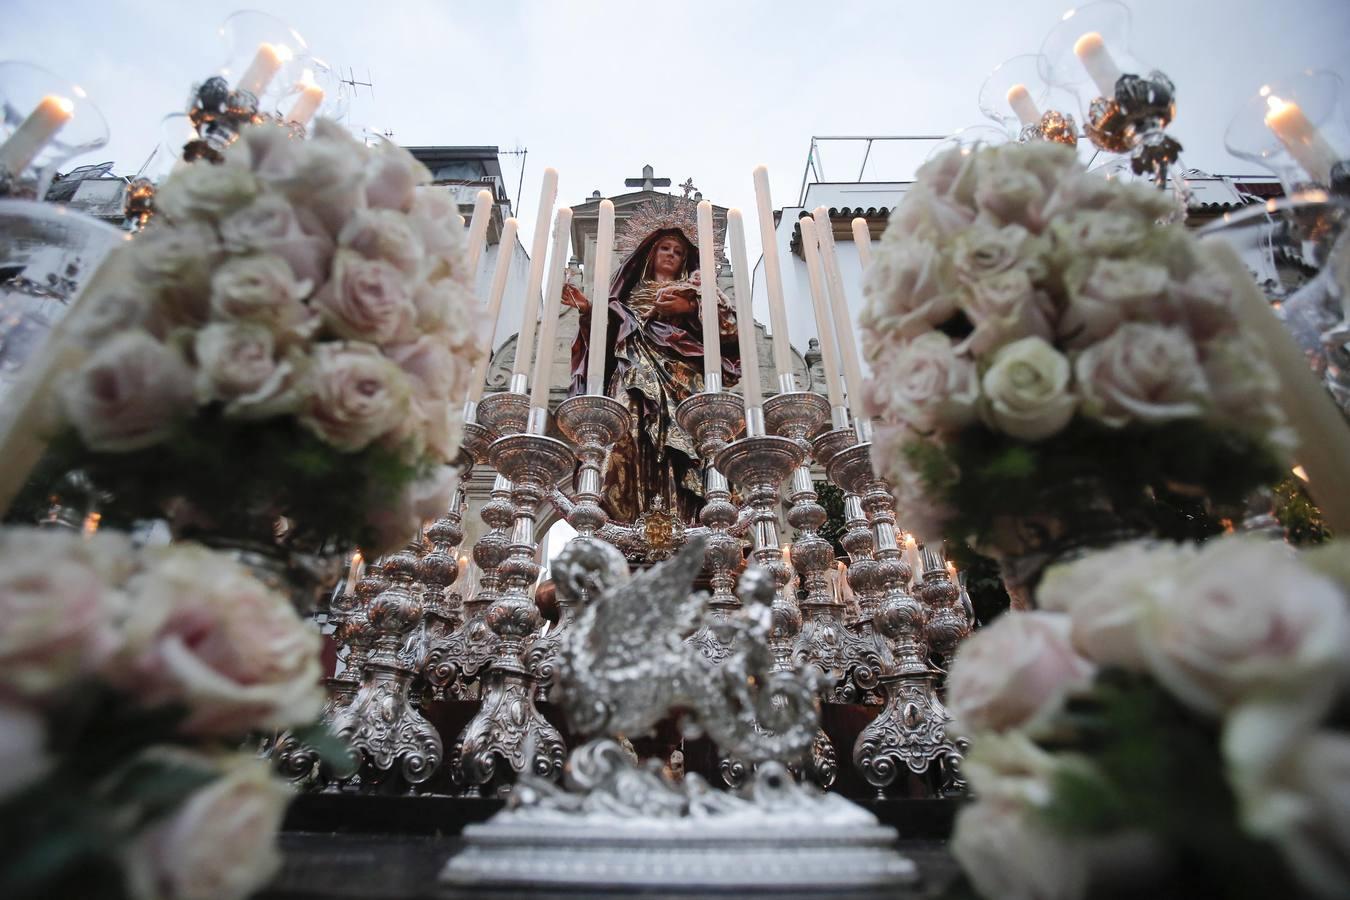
[(128, 680), (1175, 713), (1029, 325), (289, 337)]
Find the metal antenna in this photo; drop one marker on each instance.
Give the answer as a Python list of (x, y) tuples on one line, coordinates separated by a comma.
[(523, 153)]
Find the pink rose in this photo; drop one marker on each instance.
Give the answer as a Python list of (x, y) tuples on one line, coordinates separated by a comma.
[(128, 394), (1015, 673), (236, 362), (392, 177), (356, 395), (925, 510), (925, 385), (210, 635), (367, 300), (59, 602), (220, 844), (423, 500), (1246, 390), (1007, 852), (263, 289), (904, 291), (1014, 184), (1141, 373), (1108, 593), (205, 192), (1249, 621), (981, 251), (435, 215), (271, 225), (1004, 308), (1106, 292), (388, 235), (323, 176), (173, 263)]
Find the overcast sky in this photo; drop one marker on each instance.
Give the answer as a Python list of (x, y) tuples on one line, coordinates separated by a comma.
[(701, 88)]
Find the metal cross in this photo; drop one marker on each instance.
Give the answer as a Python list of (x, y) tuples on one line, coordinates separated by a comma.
[(688, 187)]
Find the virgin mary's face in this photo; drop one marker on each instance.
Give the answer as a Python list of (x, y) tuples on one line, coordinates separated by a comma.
[(668, 258)]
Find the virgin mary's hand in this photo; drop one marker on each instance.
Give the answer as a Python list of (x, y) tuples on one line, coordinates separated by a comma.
[(574, 298), (673, 303)]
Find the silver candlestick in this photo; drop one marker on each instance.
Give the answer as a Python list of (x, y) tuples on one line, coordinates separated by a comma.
[(593, 423), (825, 640), (911, 728), (947, 623), (381, 724), (759, 464), (508, 726), (438, 570), (713, 419)]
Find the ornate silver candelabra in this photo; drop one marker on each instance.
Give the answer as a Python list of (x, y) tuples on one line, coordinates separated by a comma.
[(381, 723), (508, 726), (713, 418), (825, 640), (911, 728)]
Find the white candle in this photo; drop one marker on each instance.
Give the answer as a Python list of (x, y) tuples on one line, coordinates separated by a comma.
[(47, 118), (773, 280), (478, 226), (1091, 51), (707, 267), (604, 258), (1301, 138), (1323, 437), (548, 327), (1022, 104), (548, 192), (820, 304), (745, 310), (839, 313), (354, 572), (267, 62), (493, 312), (862, 239), (311, 95)]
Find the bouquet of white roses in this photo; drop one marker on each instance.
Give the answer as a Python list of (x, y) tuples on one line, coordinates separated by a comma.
[(1028, 322), (128, 680), (290, 336), (1174, 716)]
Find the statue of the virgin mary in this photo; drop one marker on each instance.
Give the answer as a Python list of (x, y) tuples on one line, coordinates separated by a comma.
[(654, 359)]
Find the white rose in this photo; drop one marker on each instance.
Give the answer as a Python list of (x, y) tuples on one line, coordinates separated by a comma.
[(23, 749), (220, 641), (1105, 293), (1246, 390), (1027, 390), (387, 235), (1003, 308), (205, 192), (928, 214), (60, 603), (367, 300), (1141, 373), (121, 307), (128, 394), (1008, 853), (1303, 807), (271, 225), (1106, 594), (219, 845), (356, 395), (1203, 303), (262, 289), (1015, 673), (925, 385), (392, 177), (904, 291), (1084, 192), (173, 264), (236, 363), (1252, 622), (982, 250)]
